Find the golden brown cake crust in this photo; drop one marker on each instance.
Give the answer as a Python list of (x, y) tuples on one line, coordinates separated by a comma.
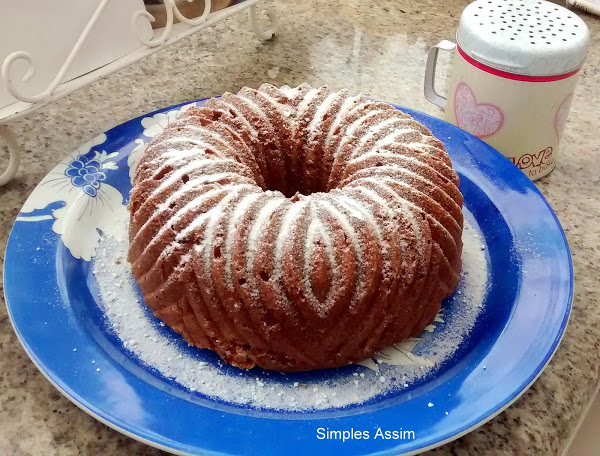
[(295, 229)]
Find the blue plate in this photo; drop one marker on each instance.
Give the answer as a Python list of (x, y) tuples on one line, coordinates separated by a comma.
[(54, 306)]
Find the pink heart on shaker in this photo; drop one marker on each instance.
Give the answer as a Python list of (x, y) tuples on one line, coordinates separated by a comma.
[(560, 118), (479, 119)]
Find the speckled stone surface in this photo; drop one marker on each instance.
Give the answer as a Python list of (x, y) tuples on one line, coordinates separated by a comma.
[(377, 48)]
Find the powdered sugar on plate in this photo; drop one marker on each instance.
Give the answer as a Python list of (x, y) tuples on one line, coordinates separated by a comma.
[(145, 340)]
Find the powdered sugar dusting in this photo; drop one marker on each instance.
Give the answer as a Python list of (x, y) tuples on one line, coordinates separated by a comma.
[(397, 368)]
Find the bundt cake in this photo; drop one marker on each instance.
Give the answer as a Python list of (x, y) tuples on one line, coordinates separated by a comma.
[(295, 228)]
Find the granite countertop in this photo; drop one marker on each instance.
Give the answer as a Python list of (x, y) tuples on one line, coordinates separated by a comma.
[(379, 49)]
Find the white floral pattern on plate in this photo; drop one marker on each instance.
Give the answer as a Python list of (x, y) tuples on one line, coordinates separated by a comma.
[(79, 181)]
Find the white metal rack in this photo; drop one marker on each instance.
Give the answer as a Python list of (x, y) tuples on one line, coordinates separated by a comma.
[(171, 33)]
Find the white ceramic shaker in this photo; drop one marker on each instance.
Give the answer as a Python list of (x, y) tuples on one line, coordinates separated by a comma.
[(515, 66)]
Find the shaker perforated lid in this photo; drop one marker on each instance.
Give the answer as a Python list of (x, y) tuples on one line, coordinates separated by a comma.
[(527, 37)]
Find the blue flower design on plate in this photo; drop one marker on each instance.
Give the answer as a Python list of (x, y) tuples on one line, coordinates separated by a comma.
[(84, 182), (86, 172)]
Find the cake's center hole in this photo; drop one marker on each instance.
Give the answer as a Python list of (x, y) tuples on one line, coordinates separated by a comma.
[(304, 178)]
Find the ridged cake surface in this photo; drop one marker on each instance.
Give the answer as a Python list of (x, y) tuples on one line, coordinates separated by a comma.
[(295, 228)]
